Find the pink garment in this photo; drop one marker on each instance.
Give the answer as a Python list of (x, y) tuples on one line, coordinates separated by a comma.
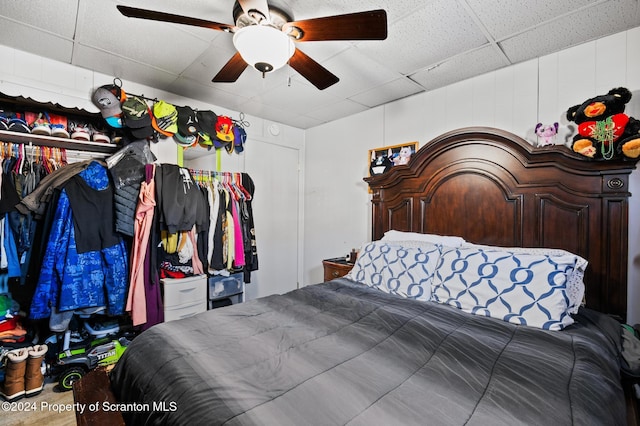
[(238, 255), (198, 269), (136, 300)]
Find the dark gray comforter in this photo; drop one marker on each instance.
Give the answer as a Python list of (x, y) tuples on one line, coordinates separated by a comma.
[(342, 353)]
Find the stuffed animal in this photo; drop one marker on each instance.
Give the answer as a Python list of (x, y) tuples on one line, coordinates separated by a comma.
[(403, 156), (604, 131), (546, 133), (379, 165)]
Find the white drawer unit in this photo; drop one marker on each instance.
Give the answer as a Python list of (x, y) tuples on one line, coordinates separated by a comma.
[(184, 297)]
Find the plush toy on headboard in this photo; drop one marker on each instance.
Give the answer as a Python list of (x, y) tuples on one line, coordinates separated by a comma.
[(604, 131), (403, 156), (546, 133)]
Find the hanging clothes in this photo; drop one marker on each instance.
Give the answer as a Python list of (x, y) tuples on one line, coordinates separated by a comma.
[(249, 232), (177, 196), (93, 217), (136, 300), (230, 246), (70, 280), (127, 170)]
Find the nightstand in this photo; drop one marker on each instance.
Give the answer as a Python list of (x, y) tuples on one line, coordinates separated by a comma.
[(336, 268)]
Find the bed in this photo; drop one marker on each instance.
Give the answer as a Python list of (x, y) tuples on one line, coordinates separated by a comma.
[(411, 348)]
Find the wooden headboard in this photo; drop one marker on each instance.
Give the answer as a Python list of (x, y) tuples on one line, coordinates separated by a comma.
[(492, 187)]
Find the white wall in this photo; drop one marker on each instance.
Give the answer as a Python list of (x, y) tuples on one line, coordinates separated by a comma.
[(515, 98), (45, 80)]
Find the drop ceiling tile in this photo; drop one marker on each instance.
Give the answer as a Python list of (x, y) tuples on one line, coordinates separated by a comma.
[(208, 64), (167, 46), (441, 30), (336, 110), (309, 9), (388, 92), (506, 17), (267, 112), (251, 83), (209, 95), (396, 9), (323, 50), (292, 98), (301, 121), (39, 14), (35, 41), (122, 68), (216, 11), (597, 21), (357, 73), (461, 67)]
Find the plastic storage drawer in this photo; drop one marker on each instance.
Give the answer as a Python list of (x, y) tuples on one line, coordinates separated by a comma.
[(221, 287)]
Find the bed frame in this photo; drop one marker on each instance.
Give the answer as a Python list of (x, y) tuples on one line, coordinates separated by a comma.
[(492, 187)]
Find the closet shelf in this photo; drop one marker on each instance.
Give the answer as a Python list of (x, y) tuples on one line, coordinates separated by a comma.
[(71, 144)]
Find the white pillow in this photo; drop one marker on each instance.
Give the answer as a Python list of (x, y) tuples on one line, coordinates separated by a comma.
[(394, 269), (443, 240), (518, 287), (575, 283)]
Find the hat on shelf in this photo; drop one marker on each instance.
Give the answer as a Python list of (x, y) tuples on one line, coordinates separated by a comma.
[(188, 128), (108, 99), (187, 121), (165, 118), (137, 117), (239, 138), (207, 124), (185, 140), (223, 137)]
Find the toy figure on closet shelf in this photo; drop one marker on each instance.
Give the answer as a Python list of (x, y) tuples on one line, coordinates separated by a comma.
[(403, 156), (546, 133)]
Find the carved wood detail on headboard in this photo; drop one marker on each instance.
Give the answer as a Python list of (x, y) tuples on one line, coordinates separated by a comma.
[(492, 187)]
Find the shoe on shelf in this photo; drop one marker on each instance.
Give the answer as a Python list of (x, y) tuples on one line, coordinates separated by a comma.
[(99, 135), (17, 124), (58, 126), (4, 120), (40, 124), (79, 131)]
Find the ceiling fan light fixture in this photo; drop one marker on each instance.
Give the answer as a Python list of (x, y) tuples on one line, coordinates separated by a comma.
[(263, 47)]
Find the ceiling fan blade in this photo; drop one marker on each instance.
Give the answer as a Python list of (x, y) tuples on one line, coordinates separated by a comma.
[(256, 9), (134, 12), (231, 70), (370, 25), (317, 75)]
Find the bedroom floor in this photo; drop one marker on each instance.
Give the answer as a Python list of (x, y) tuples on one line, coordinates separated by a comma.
[(51, 408)]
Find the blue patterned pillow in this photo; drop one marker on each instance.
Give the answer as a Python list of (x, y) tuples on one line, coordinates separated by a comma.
[(521, 288), (395, 269)]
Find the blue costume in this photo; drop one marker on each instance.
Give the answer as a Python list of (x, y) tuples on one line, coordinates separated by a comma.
[(70, 280)]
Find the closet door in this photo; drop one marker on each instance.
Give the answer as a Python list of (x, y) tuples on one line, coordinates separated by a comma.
[(274, 170)]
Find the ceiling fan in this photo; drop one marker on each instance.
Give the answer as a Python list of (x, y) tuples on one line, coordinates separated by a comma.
[(264, 37)]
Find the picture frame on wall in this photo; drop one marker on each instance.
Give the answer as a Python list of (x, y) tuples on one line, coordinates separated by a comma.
[(382, 159)]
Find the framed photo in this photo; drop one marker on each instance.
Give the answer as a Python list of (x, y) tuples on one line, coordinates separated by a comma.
[(382, 159)]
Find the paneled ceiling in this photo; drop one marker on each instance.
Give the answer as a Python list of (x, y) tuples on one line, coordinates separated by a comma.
[(430, 44)]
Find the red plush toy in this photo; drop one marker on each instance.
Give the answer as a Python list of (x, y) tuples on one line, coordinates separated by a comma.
[(604, 130)]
